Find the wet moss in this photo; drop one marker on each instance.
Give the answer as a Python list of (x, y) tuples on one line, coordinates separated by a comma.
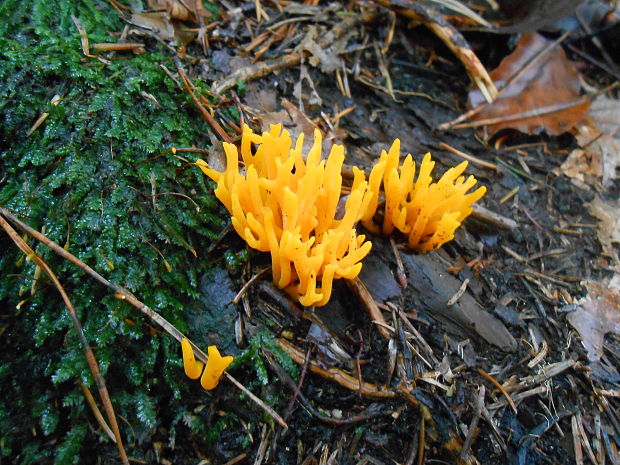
[(87, 177)]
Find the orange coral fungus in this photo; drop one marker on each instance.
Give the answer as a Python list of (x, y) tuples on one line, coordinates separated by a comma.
[(193, 368), (287, 206), (212, 372), (427, 212)]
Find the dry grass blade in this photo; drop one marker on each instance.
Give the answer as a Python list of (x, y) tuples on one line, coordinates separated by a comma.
[(56, 99), (90, 356), (576, 441), (124, 294), (83, 37), (98, 416)]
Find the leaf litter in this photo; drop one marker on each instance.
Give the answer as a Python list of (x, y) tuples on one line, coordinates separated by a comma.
[(536, 83), (597, 159), (597, 314)]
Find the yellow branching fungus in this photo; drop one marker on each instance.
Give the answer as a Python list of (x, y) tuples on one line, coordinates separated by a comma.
[(427, 212), (287, 206), (212, 372)]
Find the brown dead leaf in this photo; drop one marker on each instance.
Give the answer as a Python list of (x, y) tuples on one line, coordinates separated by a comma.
[(293, 120), (327, 59), (160, 24), (605, 113), (608, 212), (156, 22), (183, 10), (551, 80), (597, 314)]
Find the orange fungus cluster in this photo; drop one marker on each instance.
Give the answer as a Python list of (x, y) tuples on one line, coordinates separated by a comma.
[(291, 206)]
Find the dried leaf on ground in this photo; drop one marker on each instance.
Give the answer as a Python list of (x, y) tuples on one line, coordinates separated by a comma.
[(550, 80), (327, 59), (160, 24), (183, 10), (597, 314), (608, 212), (598, 157)]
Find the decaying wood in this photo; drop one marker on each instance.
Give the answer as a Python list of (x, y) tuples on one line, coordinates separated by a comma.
[(435, 286)]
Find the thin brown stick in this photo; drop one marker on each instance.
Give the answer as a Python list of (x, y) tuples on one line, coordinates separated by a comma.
[(265, 67), (203, 111), (466, 156), (495, 383), (247, 285), (360, 289), (257, 70), (473, 426), (370, 412), (400, 268), (98, 416), (336, 375), (90, 356), (117, 46), (534, 112), (124, 294)]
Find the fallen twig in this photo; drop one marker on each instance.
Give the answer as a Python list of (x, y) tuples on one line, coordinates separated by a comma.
[(501, 389), (336, 375), (473, 426), (360, 289), (203, 111)]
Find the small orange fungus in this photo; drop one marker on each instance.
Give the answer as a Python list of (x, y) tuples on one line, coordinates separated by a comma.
[(287, 206), (214, 369), (427, 212), (193, 367), (212, 372)]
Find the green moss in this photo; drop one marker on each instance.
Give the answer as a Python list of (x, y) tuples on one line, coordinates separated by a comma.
[(87, 177)]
